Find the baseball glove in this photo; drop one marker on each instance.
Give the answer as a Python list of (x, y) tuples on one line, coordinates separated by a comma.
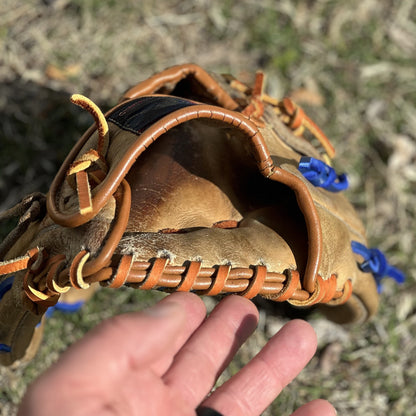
[(194, 182)]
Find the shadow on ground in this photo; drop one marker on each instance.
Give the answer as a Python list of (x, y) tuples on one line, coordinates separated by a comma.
[(38, 128)]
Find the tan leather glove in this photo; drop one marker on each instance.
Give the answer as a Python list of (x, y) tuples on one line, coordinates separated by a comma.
[(194, 182)]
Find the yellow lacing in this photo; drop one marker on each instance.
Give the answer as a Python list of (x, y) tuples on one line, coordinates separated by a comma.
[(92, 158), (100, 121)]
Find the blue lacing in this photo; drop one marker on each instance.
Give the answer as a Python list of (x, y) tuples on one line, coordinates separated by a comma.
[(320, 174), (6, 285), (375, 262), (64, 307), (5, 348)]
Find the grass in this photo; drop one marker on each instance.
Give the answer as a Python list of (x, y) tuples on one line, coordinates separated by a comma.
[(356, 62)]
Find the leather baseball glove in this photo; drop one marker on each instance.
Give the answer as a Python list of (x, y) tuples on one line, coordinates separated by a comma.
[(194, 182)]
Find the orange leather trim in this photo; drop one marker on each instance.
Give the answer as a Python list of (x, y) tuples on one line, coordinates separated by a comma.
[(311, 300), (84, 192), (218, 281), (299, 119), (292, 283), (313, 223), (190, 277), (256, 282), (175, 74), (155, 272), (122, 272), (15, 265), (53, 273), (331, 288), (76, 270)]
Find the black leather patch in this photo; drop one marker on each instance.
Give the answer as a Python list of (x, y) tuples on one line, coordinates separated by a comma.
[(139, 114)]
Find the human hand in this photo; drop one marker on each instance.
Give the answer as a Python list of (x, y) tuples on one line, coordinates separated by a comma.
[(165, 361)]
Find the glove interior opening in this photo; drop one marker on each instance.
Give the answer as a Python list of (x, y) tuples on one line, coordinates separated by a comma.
[(202, 173)]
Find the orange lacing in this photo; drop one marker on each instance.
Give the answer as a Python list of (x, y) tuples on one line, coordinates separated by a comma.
[(291, 114), (92, 159), (17, 264), (255, 107), (295, 118), (34, 282), (100, 121), (43, 279), (211, 281)]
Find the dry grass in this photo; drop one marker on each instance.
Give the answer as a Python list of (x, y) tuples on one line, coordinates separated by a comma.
[(351, 64)]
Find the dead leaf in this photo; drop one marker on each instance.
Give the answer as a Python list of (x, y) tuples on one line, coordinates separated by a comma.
[(62, 74), (307, 96)]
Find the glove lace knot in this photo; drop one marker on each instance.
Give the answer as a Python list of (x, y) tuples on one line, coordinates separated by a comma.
[(375, 262), (322, 175), (296, 119)]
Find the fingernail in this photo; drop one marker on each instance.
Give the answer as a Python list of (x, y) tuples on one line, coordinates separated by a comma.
[(162, 309)]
